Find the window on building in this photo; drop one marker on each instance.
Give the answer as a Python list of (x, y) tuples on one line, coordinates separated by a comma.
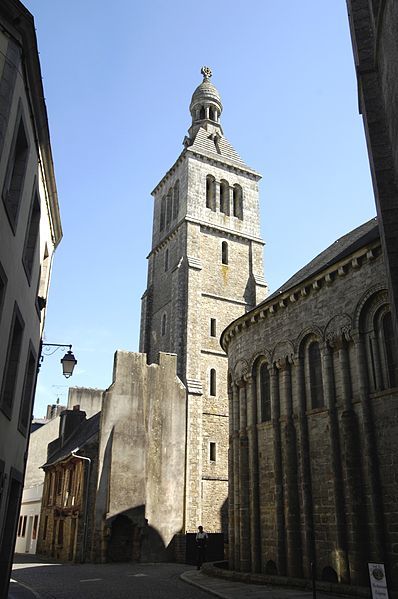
[(34, 528), (224, 197), (23, 528), (164, 324), (70, 480), (166, 260), (315, 374), (213, 383), (32, 235), (390, 351), (58, 482), (210, 192), (176, 199), (265, 394), (212, 451), (213, 327), (169, 207), (45, 527), (12, 363), (26, 403), (224, 252), (162, 213), (202, 114), (238, 201), (15, 175)]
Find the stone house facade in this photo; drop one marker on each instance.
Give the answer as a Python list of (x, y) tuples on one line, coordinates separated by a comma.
[(313, 379), (30, 230), (205, 268), (70, 475)]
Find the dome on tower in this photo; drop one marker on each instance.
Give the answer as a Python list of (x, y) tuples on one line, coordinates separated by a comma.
[(206, 93)]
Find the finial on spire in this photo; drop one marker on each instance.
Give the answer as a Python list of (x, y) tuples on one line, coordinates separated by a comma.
[(206, 72)]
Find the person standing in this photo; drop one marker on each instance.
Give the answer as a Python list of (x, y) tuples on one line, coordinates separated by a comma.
[(201, 545)]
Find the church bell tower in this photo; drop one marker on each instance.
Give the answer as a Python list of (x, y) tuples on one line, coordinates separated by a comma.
[(205, 269)]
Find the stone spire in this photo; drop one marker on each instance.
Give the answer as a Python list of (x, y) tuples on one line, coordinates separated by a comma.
[(205, 107)]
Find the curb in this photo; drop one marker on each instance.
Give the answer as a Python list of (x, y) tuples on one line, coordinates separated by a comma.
[(24, 586), (185, 576)]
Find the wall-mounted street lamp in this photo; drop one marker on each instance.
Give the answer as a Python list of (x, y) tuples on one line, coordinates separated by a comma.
[(68, 361)]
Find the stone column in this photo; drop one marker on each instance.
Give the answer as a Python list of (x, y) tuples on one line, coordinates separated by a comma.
[(351, 465), (235, 471), (255, 544), (334, 441), (279, 513), (371, 470), (244, 524), (289, 475), (231, 483), (304, 469)]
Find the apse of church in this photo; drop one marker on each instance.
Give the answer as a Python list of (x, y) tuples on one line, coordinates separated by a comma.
[(205, 268), (313, 378)]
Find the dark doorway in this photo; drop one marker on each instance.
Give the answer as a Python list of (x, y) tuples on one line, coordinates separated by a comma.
[(10, 529), (121, 546)]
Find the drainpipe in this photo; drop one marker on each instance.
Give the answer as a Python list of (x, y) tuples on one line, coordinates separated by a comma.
[(85, 514)]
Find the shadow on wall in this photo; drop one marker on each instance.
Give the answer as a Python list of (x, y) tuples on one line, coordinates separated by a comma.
[(130, 537)]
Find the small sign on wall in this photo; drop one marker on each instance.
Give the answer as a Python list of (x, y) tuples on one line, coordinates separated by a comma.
[(378, 582)]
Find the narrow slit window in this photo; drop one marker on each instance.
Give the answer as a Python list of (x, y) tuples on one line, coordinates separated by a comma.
[(213, 382), (238, 201), (176, 199), (213, 327), (166, 260), (315, 371), (212, 451), (210, 192), (224, 197), (162, 213), (164, 324), (224, 252)]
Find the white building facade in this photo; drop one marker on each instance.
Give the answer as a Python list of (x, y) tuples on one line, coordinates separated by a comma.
[(30, 230)]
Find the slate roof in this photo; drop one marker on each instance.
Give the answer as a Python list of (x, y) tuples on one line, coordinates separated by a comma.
[(204, 144), (341, 248), (82, 435)]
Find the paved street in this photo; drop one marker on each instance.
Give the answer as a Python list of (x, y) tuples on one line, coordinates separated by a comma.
[(108, 581)]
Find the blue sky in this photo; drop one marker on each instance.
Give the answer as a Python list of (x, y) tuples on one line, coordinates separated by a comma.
[(118, 78)]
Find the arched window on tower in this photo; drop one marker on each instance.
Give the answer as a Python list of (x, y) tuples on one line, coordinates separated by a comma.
[(264, 389), (210, 192), (238, 201), (224, 252), (176, 199), (162, 213), (164, 324), (224, 196), (213, 382), (314, 371), (212, 113), (169, 207), (202, 114), (166, 260)]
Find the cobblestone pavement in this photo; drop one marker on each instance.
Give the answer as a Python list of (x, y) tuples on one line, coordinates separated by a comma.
[(50, 580)]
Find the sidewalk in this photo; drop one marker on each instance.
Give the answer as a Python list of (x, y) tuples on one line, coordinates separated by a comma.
[(227, 589)]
